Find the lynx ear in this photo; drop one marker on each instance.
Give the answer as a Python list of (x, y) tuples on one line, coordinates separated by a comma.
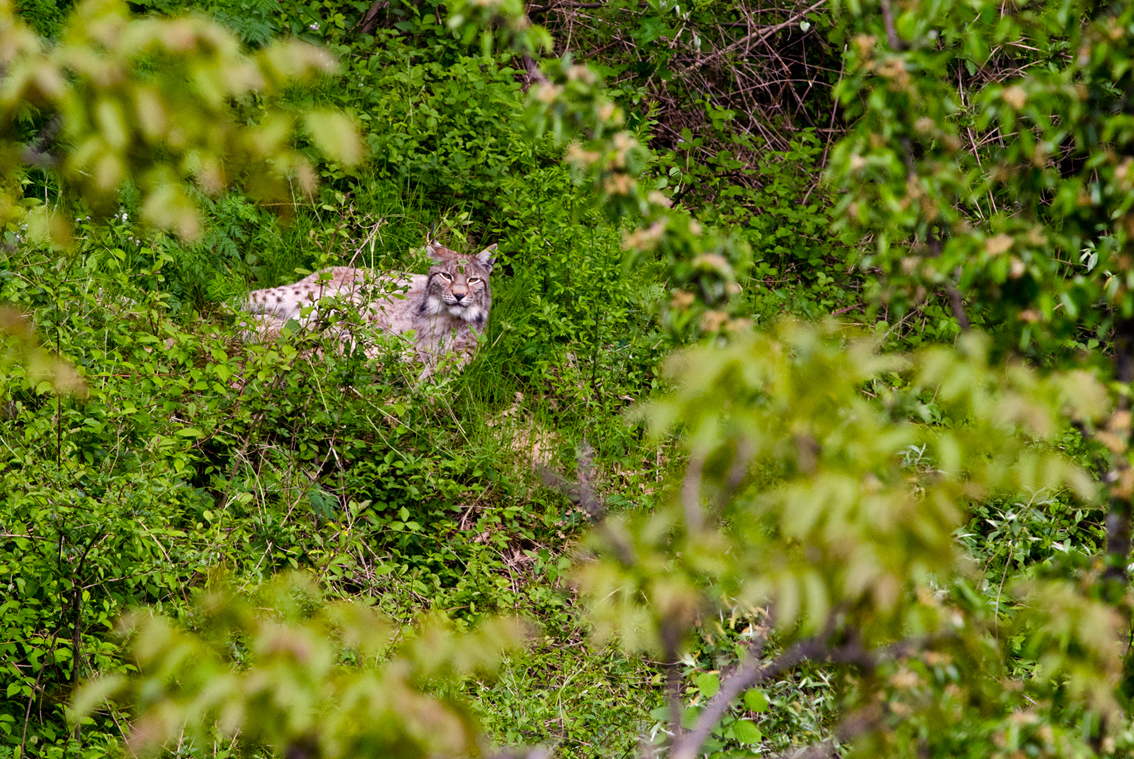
[(436, 252), (485, 257)]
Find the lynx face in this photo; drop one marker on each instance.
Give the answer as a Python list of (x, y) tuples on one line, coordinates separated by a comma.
[(458, 285)]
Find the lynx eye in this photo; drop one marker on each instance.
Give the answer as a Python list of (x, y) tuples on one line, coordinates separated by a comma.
[(473, 280), (446, 276)]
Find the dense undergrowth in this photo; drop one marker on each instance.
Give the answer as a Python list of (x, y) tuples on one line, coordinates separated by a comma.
[(194, 450), (196, 453)]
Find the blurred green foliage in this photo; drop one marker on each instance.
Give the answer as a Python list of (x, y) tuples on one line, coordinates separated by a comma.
[(990, 155), (149, 102), (749, 422), (306, 677), (900, 522)]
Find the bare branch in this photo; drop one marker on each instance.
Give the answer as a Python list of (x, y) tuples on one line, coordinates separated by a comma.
[(537, 9), (36, 153), (891, 33), (670, 637), (862, 721), (538, 752), (748, 40), (533, 69), (752, 671), (691, 494), (958, 307), (369, 21), (582, 493), (1118, 516)]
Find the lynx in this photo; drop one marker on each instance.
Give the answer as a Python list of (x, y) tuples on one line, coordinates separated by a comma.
[(445, 309)]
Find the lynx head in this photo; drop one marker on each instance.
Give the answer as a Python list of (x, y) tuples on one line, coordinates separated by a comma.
[(458, 284)]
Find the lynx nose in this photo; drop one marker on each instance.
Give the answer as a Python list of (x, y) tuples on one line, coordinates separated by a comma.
[(459, 296)]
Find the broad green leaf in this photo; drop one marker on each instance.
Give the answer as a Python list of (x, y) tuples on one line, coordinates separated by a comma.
[(708, 683), (747, 732), (756, 701)]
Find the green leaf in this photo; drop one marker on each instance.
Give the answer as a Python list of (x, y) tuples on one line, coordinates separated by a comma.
[(708, 683), (756, 701), (747, 732)]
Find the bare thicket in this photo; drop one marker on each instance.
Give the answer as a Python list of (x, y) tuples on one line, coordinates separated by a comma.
[(762, 61)]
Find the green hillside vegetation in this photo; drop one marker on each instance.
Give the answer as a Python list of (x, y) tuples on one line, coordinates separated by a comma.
[(801, 421)]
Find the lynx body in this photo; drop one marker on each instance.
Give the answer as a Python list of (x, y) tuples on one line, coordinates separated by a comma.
[(445, 309)]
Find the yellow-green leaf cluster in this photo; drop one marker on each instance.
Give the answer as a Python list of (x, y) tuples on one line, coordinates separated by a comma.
[(154, 101), (19, 346), (816, 485), (289, 672)]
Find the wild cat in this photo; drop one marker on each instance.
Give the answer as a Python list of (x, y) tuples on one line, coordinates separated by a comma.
[(445, 309)]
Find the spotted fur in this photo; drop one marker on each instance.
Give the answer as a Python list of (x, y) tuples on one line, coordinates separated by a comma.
[(445, 309)]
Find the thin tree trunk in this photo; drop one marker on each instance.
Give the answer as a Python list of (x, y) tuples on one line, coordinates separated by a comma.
[(1120, 476)]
